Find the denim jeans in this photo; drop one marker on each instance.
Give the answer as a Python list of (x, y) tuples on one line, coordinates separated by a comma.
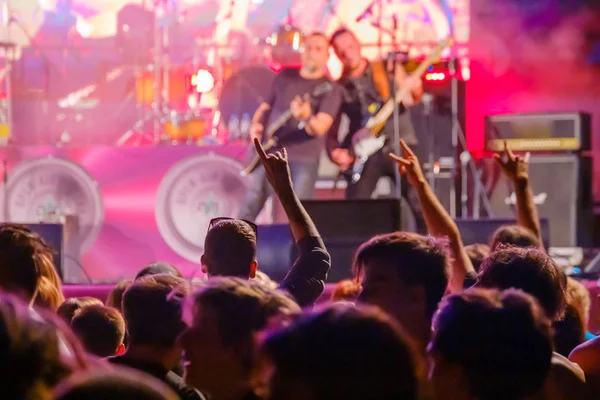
[(304, 177)]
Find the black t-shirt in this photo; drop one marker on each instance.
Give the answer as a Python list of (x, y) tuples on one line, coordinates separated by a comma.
[(287, 85), (174, 381), (360, 93)]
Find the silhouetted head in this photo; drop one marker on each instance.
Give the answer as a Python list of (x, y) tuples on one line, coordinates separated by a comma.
[(230, 249), (528, 269)]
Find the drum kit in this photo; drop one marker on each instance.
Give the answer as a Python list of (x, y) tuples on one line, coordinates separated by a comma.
[(207, 97)]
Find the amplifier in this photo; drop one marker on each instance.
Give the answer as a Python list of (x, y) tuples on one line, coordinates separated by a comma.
[(538, 132), (345, 224), (562, 192)]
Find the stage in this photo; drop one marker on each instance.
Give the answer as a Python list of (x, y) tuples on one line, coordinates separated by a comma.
[(132, 205)]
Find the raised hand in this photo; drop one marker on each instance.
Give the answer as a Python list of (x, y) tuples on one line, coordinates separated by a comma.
[(408, 164), (276, 167), (515, 167)]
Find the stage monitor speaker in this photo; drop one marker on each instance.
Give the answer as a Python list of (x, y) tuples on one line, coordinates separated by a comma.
[(562, 192), (275, 250), (346, 224), (474, 231)]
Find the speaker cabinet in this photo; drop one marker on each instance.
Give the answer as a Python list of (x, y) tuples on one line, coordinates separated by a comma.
[(562, 192), (345, 224)]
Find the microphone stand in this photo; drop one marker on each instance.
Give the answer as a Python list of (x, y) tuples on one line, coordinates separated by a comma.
[(466, 159), (428, 132), (392, 65), (5, 190)]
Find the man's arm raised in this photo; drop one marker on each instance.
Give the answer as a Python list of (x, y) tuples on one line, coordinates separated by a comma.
[(438, 221), (306, 279), (516, 168)]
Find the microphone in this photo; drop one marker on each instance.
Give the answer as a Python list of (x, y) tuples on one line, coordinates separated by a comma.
[(366, 14), (395, 23)]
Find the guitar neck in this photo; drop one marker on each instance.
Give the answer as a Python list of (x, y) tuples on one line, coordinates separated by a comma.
[(278, 123), (281, 121), (378, 121)]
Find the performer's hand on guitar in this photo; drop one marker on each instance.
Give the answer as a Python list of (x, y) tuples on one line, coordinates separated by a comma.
[(415, 85), (276, 168), (409, 165), (300, 109), (515, 167), (342, 158), (256, 131)]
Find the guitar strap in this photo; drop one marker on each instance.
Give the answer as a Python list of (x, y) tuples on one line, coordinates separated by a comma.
[(379, 75), (377, 72), (380, 78)]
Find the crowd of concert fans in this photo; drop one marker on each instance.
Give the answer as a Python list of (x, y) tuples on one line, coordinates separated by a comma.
[(424, 318)]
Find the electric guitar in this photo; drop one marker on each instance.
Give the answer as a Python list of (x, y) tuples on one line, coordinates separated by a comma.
[(369, 139), (272, 139)]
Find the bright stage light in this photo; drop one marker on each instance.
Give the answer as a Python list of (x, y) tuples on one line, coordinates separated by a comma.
[(83, 28), (436, 76), (203, 81)]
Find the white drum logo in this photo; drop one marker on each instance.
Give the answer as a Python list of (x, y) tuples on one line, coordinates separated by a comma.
[(55, 187), (192, 193)]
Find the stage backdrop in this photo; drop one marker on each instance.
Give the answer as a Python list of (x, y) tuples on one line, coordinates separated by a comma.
[(132, 205)]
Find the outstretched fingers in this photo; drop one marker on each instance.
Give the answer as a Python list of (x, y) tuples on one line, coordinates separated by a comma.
[(509, 153), (406, 151), (259, 149), (399, 160)]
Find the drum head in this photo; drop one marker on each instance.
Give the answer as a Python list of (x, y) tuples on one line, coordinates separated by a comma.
[(245, 91)]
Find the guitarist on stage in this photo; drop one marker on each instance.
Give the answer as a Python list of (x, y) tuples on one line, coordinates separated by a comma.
[(304, 134), (366, 84)]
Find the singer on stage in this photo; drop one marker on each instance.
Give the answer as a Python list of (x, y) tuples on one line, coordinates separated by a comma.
[(366, 84), (303, 135)]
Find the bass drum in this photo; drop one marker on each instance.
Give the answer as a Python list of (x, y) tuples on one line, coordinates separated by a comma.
[(287, 45), (244, 91)]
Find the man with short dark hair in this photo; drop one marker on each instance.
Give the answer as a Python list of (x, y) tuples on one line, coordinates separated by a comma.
[(340, 352), (98, 384), (222, 319), (152, 307), (514, 235), (406, 275), (488, 344), (536, 273), (74, 305), (366, 85), (239, 259), (101, 329), (528, 269), (158, 267), (230, 245), (303, 135)]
